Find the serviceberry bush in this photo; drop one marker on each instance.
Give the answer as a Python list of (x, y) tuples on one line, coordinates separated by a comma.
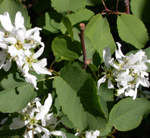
[(74, 68)]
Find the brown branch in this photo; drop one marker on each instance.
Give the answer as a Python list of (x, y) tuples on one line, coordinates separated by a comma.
[(109, 11), (81, 35), (127, 5)]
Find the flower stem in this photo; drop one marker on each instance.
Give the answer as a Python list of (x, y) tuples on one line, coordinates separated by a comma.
[(81, 35)]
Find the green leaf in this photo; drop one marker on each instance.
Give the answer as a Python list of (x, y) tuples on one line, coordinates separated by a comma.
[(17, 93), (67, 122), (78, 98), (62, 6), (77, 17), (132, 30), (49, 22), (68, 26), (80, 16), (13, 7), (105, 93), (140, 9), (103, 106), (64, 48), (128, 113), (99, 33), (105, 131)]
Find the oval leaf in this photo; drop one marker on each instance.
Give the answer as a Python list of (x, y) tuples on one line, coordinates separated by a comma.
[(64, 48), (132, 30), (127, 113), (78, 98), (99, 33), (68, 5), (17, 93)]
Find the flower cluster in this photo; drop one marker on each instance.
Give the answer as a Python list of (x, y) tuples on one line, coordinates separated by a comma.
[(127, 72), (37, 120), (18, 44)]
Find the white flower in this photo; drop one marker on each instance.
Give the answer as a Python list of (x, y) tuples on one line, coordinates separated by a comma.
[(92, 134), (131, 73), (37, 120), (108, 71), (31, 62)]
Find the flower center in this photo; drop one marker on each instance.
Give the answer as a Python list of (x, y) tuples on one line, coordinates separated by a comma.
[(18, 45), (108, 74)]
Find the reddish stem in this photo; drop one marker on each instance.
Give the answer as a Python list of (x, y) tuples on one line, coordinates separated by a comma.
[(127, 5), (81, 35)]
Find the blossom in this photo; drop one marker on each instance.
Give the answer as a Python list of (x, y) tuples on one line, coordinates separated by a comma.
[(108, 71), (131, 72), (36, 118), (18, 44)]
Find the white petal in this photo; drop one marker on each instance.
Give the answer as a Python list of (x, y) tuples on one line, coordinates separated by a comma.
[(121, 91), (110, 85), (139, 67), (118, 53), (51, 120), (40, 70), (130, 93), (88, 134), (135, 94), (59, 133), (31, 31), (19, 20), (106, 56), (46, 131), (7, 65), (12, 51), (10, 40), (20, 35), (17, 123), (42, 62), (2, 58), (136, 57), (28, 134), (31, 79), (96, 133), (44, 111), (102, 80), (38, 53), (6, 22), (3, 45)]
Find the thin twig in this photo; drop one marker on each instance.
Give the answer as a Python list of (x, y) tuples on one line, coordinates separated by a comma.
[(108, 10), (81, 35), (117, 6), (127, 5)]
